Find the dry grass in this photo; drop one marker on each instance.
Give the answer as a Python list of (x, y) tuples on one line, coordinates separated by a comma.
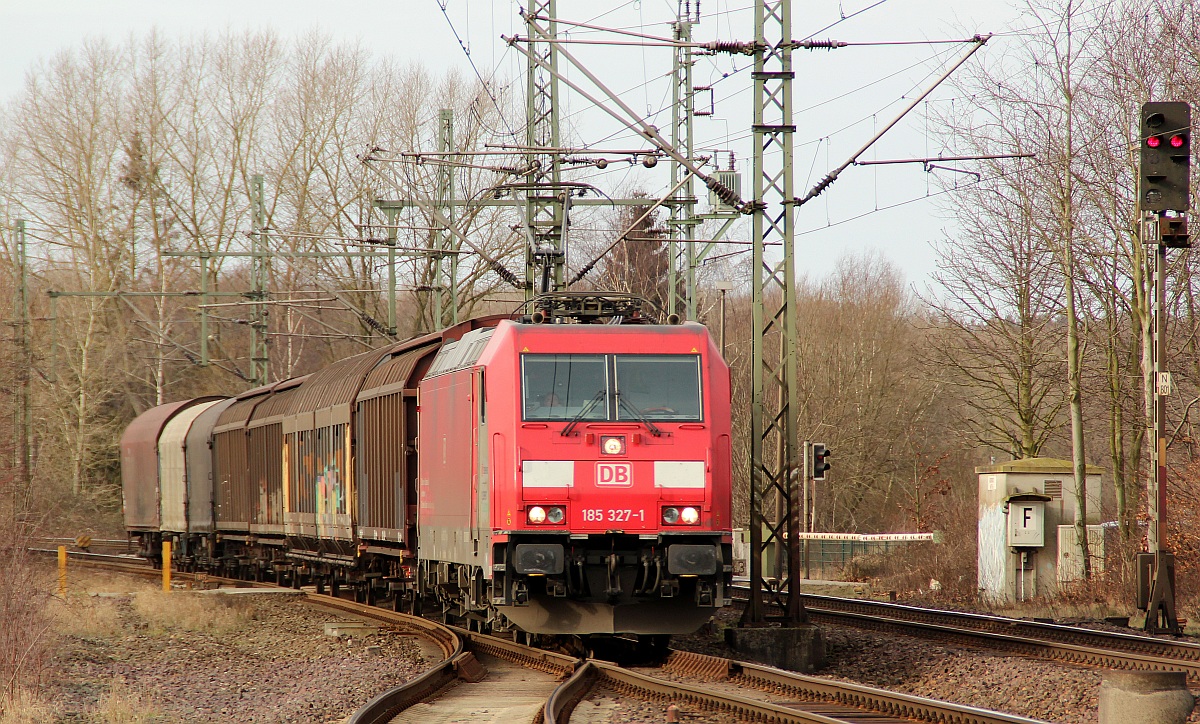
[(23, 623), (123, 705), (218, 615), (25, 708), (87, 617)]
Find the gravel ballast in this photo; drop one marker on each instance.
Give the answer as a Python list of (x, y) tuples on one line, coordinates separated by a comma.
[(243, 658), (1028, 687)]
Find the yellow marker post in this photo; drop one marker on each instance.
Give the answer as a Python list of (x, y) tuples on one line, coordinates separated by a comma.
[(166, 565), (62, 571)]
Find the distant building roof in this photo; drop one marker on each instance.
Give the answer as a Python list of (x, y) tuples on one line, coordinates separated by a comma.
[(1037, 465)]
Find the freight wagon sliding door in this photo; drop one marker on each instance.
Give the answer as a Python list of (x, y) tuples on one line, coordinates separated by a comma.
[(385, 449), (266, 475), (233, 481)]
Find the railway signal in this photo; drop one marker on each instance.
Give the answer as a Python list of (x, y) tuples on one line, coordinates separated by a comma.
[(1166, 150), (820, 460), (1163, 201)]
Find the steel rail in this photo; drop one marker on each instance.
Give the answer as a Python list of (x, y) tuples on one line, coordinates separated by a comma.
[(815, 689), (1056, 642), (547, 662), (1182, 651), (458, 662)]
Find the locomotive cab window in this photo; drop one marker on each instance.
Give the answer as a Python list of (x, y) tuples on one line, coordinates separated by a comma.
[(611, 387), (564, 386), (658, 387)]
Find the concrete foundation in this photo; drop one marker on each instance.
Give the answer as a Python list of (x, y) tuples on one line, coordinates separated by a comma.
[(1145, 697), (797, 649)]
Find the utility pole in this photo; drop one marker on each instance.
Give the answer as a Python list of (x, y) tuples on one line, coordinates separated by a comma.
[(776, 458), (24, 370), (445, 265), (260, 352)]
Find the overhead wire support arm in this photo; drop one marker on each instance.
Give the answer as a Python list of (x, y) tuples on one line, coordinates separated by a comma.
[(428, 207), (632, 120), (978, 40), (726, 46), (941, 159), (810, 44)]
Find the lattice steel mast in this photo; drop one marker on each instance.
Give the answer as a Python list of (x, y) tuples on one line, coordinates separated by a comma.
[(682, 223), (546, 202), (776, 456)]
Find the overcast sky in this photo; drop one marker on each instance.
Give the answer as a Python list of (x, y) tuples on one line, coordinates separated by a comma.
[(841, 97)]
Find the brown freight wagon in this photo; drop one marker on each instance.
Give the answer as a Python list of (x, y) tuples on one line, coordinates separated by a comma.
[(232, 501), (385, 443), (318, 502), (264, 432)]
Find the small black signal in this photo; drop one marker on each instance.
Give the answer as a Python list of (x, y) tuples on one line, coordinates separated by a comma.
[(820, 460)]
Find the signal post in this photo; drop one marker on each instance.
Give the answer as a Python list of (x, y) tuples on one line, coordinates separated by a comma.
[(1163, 200)]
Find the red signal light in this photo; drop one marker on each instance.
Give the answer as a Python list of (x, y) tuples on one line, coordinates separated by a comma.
[(1177, 141), (1153, 141)]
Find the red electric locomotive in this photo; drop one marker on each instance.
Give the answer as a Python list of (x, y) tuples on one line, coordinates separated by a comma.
[(576, 477), (537, 472)]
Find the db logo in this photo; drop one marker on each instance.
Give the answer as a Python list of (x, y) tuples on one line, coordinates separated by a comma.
[(614, 474)]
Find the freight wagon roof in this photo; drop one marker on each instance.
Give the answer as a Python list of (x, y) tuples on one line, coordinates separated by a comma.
[(146, 427), (337, 384), (240, 410), (203, 425), (175, 431), (273, 408), (396, 373)]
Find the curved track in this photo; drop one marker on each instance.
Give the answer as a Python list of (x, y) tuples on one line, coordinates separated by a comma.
[(489, 676)]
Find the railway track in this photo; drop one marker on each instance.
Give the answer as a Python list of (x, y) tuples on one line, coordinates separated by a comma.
[(749, 692), (490, 676), (1056, 642)]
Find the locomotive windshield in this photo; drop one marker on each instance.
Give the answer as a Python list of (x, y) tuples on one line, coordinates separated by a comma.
[(611, 387), (658, 387), (565, 386)]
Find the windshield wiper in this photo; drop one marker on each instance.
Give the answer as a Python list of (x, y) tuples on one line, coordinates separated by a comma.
[(638, 415), (591, 405)]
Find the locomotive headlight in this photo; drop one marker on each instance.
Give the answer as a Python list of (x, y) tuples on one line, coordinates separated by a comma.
[(689, 516), (670, 516), (612, 445), (537, 515), (556, 515)]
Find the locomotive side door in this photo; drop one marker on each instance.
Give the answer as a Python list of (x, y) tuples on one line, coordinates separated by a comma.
[(480, 475)]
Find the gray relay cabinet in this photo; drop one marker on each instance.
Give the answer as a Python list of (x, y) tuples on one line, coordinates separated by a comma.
[(1026, 533)]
